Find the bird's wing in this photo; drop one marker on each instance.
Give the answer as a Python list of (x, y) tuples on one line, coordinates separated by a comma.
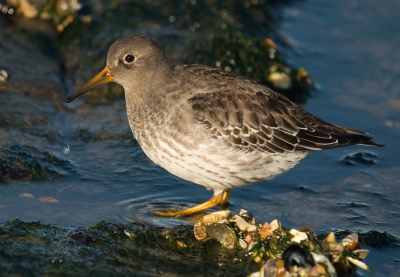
[(263, 120)]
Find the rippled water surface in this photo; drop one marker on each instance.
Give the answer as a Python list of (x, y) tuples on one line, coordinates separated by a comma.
[(350, 49)]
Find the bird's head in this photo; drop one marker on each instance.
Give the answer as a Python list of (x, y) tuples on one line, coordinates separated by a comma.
[(133, 62)]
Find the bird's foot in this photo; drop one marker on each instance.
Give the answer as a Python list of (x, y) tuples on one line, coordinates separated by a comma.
[(220, 199)]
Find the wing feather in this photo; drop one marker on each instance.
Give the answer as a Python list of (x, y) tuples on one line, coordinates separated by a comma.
[(255, 118)]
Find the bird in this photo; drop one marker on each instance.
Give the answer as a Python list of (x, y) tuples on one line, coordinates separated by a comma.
[(212, 127)]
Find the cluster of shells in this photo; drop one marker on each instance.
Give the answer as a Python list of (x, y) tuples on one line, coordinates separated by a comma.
[(283, 252)]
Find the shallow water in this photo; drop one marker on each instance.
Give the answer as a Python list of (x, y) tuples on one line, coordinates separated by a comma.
[(350, 48), (351, 51)]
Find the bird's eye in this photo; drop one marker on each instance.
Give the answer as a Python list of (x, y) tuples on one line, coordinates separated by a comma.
[(129, 58)]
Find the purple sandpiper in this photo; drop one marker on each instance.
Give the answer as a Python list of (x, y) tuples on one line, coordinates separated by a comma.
[(212, 127)]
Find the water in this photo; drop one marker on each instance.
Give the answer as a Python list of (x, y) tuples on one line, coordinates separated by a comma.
[(350, 49)]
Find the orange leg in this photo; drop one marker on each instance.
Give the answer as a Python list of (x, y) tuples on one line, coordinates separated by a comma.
[(225, 197), (220, 199)]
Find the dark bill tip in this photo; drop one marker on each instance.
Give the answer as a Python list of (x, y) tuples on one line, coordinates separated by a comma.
[(103, 77)]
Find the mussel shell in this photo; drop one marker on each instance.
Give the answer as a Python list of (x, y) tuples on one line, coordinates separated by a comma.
[(310, 232), (298, 236), (215, 217), (243, 225), (243, 244), (353, 237), (3, 75), (246, 215), (351, 241), (270, 268), (331, 238), (362, 253), (358, 263), (199, 231), (223, 233), (323, 260), (294, 255), (265, 231), (275, 224)]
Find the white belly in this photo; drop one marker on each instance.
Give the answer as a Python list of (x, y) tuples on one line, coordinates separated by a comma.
[(213, 163)]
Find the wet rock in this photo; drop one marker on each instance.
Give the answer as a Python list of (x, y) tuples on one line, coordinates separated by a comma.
[(25, 163), (361, 157), (82, 237), (280, 251), (16, 174), (30, 71), (186, 34)]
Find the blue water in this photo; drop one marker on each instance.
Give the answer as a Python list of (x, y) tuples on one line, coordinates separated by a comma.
[(350, 49)]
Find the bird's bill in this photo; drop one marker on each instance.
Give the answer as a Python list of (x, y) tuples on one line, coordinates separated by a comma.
[(103, 77)]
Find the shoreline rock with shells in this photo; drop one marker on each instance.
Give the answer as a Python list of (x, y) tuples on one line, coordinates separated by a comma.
[(283, 252)]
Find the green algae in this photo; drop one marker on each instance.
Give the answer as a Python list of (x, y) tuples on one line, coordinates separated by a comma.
[(229, 35), (36, 249)]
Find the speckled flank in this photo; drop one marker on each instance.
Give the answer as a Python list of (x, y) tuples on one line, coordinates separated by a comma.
[(211, 162)]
